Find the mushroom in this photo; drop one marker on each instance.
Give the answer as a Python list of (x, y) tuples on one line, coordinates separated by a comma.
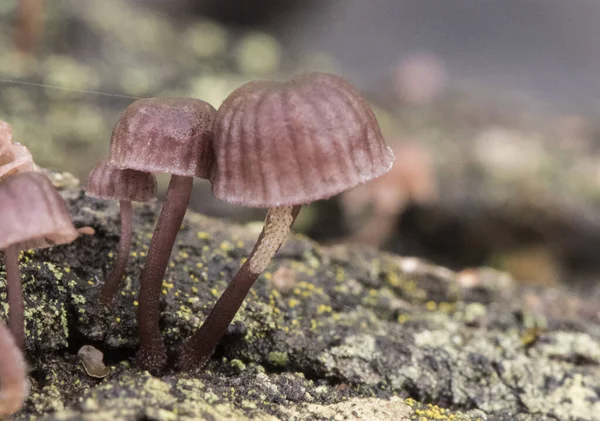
[(14, 158), (13, 380), (34, 215), (108, 182), (168, 135), (280, 145)]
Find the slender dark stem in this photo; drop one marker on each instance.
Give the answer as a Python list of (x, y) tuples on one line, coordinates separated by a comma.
[(16, 311), (13, 378), (114, 281), (197, 349), (152, 354)]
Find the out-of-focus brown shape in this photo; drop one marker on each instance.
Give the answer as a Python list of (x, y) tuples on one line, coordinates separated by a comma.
[(419, 78), (14, 158), (28, 25), (411, 179), (13, 377)]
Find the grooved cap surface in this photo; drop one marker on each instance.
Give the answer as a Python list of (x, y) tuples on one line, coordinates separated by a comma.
[(32, 213), (108, 182), (291, 143), (164, 135)]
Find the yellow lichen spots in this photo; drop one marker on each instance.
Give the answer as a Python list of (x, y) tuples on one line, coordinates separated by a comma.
[(118, 320), (67, 269), (373, 293), (410, 402), (340, 274), (167, 285), (135, 304), (199, 265), (122, 292), (431, 305), (57, 274), (183, 254), (164, 291), (82, 311), (133, 254), (268, 276), (194, 290), (72, 284), (313, 325), (297, 291), (90, 282), (202, 235), (402, 318), (446, 307), (226, 246), (177, 293), (253, 293), (214, 292), (171, 264), (243, 260), (240, 244), (205, 249), (149, 235), (142, 253), (322, 309), (110, 254), (295, 322)]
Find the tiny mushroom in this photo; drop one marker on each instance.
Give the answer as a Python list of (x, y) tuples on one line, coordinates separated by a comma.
[(165, 135), (34, 215), (108, 182), (13, 380), (14, 158), (280, 145)]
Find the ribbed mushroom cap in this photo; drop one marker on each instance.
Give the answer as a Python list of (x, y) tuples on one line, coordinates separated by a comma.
[(108, 182), (164, 135), (291, 143), (14, 157), (32, 213)]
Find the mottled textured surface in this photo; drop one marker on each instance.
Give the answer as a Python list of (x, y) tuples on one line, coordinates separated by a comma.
[(164, 135), (294, 142), (108, 182), (359, 335)]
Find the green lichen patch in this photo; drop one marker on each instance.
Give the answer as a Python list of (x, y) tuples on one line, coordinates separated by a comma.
[(354, 331)]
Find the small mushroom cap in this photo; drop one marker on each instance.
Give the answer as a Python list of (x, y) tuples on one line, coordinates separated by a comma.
[(291, 143), (14, 158), (164, 135), (108, 182), (32, 213)]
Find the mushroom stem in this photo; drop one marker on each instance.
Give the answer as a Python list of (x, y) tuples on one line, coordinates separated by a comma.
[(197, 349), (13, 378), (16, 312), (152, 354), (114, 281)]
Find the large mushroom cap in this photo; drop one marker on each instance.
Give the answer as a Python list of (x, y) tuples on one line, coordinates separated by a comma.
[(164, 135), (108, 182), (291, 143), (32, 213)]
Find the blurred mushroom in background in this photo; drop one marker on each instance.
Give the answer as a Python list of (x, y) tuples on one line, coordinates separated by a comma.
[(28, 25), (419, 78), (372, 210)]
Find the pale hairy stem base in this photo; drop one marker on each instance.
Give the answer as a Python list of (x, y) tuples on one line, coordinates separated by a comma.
[(16, 310), (152, 354), (13, 381), (197, 349), (115, 279)]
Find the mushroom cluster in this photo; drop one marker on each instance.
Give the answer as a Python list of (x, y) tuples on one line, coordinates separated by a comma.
[(155, 135), (275, 145), (33, 215)]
